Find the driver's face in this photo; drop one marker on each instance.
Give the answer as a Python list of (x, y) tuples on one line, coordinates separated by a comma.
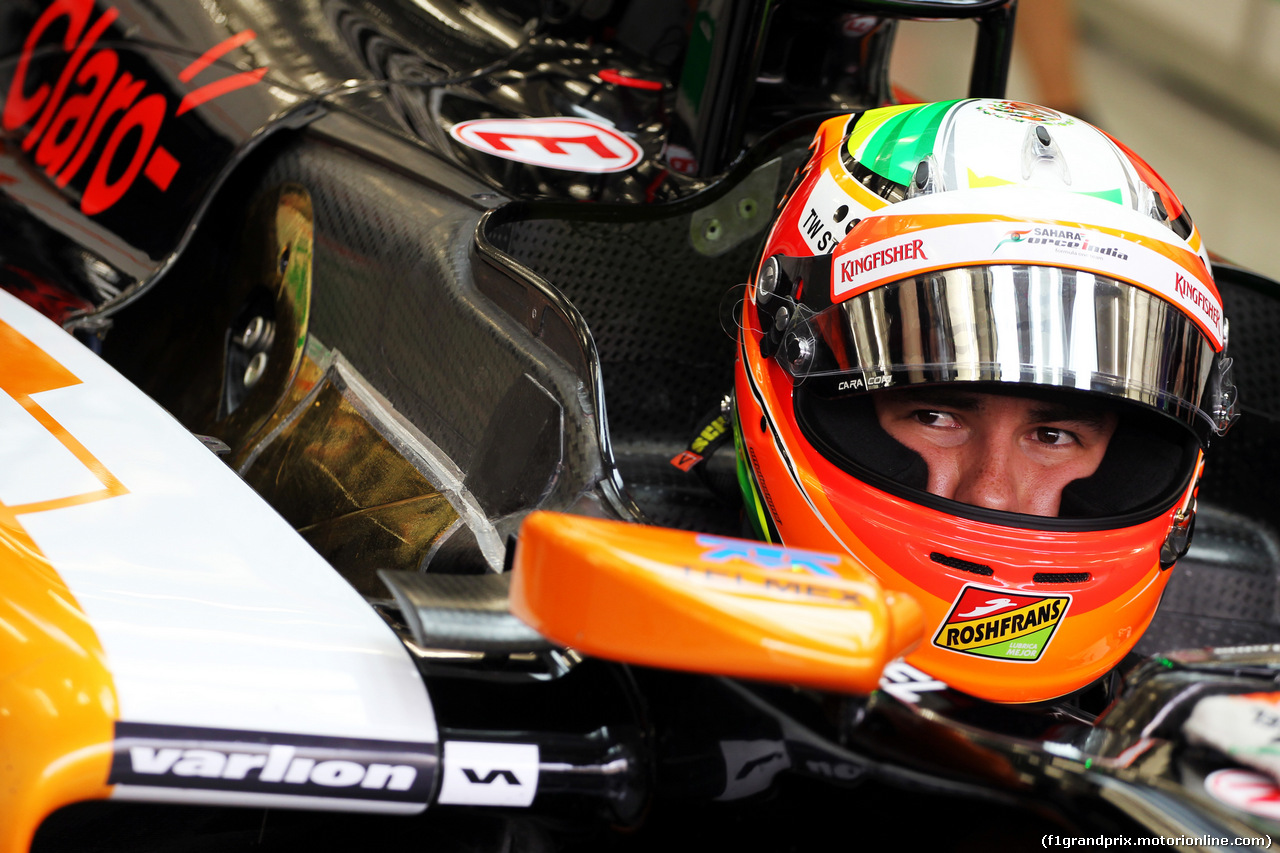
[(997, 451)]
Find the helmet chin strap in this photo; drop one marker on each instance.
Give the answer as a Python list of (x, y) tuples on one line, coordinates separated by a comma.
[(1178, 539)]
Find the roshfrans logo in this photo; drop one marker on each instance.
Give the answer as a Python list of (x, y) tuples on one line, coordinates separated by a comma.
[(271, 763), (1001, 624)]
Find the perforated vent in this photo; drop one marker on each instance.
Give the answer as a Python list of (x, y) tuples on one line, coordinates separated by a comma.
[(1239, 468), (962, 565), (1060, 577)]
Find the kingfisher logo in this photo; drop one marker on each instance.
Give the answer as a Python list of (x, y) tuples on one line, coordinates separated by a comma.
[(271, 763), (1190, 291), (1000, 624), (908, 250)]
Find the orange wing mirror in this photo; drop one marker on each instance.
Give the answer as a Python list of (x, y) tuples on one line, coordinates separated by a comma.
[(678, 600)]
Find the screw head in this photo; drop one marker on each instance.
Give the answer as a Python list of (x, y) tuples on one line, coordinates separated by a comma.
[(253, 373), (767, 283)]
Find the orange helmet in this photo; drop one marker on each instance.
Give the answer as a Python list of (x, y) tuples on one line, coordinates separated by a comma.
[(939, 265)]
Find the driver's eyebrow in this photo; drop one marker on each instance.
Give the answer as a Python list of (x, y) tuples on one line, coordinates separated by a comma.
[(946, 398), (1045, 411), (1065, 413)]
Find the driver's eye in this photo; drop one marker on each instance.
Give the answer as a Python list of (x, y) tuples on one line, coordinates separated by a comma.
[(930, 417), (1053, 435)]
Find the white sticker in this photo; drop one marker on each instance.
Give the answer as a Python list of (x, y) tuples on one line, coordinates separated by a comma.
[(1245, 790), (827, 215), (572, 144), (905, 683), (489, 774)]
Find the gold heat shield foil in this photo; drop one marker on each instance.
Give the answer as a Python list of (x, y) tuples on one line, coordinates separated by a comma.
[(349, 491)]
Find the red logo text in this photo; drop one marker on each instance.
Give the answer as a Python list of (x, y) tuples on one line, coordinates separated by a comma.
[(94, 100), (909, 250)]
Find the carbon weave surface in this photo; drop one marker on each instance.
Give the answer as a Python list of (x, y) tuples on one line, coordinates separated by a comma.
[(394, 293), (1242, 469), (661, 316), (1225, 591), (654, 307), (652, 304)]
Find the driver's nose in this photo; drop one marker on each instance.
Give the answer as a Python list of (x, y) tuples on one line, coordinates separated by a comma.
[(986, 475)]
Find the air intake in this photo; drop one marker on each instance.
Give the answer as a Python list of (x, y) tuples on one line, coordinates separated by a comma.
[(1060, 577), (962, 565)]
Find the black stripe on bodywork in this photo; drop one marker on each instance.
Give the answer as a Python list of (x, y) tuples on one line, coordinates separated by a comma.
[(272, 763)]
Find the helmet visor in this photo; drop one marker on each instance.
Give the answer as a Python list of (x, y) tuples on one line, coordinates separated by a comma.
[(1045, 326)]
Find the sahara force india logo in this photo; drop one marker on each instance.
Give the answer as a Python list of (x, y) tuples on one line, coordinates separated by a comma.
[(997, 623), (1061, 238)]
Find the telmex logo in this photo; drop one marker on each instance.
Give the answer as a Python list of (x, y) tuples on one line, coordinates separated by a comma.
[(575, 145), (768, 556), (96, 111), (998, 623), (258, 762)]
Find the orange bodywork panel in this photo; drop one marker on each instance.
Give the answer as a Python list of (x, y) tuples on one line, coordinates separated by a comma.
[(679, 600), (57, 699)]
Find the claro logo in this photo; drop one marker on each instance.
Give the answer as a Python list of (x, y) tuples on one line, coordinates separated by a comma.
[(97, 118), (251, 762)]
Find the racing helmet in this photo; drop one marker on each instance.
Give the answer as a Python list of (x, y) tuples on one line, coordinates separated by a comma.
[(998, 251)]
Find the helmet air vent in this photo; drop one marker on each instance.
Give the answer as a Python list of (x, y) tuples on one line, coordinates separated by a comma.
[(924, 180), (1060, 577), (962, 565), (1040, 152)]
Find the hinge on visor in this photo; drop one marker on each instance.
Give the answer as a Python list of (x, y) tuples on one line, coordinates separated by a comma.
[(786, 289)]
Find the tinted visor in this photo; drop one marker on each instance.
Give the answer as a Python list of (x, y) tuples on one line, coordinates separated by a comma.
[(1043, 326)]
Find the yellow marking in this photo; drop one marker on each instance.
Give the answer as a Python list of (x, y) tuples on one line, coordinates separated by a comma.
[(976, 180), (870, 123)]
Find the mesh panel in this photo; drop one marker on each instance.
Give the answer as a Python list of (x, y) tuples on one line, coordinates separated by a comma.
[(1240, 473), (1225, 591), (652, 304), (394, 293), (658, 311)]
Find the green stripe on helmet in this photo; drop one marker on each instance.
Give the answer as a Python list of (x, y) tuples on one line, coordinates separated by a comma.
[(904, 140), (757, 516)]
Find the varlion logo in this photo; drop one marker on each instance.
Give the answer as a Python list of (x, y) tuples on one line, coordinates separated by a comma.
[(271, 763), (1000, 624)]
